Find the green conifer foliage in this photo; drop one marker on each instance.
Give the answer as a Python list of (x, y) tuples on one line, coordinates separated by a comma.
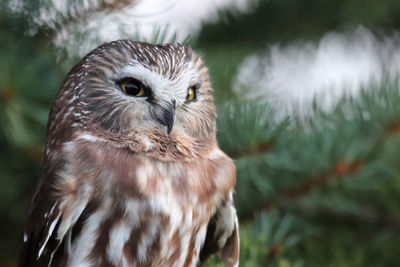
[(320, 191)]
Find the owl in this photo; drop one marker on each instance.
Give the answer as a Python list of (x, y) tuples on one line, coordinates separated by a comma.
[(133, 175)]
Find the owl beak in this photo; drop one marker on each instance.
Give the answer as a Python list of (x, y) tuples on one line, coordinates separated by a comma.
[(166, 117)]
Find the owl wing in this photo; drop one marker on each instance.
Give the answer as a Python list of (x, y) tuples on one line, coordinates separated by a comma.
[(222, 235), (44, 218)]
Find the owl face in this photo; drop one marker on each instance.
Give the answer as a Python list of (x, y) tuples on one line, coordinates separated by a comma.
[(124, 85)]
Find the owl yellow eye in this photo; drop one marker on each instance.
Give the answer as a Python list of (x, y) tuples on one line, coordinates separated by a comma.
[(133, 87), (191, 94)]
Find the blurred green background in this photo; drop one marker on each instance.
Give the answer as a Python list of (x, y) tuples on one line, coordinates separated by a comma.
[(325, 192)]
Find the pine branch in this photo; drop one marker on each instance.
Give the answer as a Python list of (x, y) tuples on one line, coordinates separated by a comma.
[(275, 249), (256, 149), (341, 169), (367, 216), (75, 15)]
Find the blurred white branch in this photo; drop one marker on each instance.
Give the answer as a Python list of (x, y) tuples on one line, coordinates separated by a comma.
[(80, 25), (291, 77)]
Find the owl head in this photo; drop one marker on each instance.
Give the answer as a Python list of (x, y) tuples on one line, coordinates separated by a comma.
[(125, 85)]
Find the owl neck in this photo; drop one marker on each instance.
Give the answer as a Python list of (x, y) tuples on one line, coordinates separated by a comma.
[(174, 147)]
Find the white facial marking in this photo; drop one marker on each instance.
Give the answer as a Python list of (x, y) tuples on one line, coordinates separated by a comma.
[(163, 88)]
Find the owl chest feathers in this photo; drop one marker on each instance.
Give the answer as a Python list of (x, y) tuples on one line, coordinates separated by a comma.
[(138, 210)]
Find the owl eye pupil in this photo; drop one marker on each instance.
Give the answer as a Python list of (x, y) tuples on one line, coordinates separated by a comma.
[(133, 87)]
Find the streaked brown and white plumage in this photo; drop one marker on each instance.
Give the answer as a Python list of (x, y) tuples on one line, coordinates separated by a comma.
[(133, 181)]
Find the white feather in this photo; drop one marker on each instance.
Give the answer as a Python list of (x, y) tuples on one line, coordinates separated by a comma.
[(49, 233), (118, 236)]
